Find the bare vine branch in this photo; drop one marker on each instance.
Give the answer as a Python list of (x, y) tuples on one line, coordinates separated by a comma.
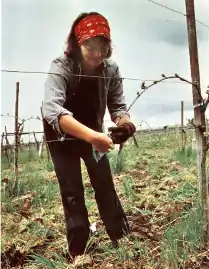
[(21, 119), (164, 77), (206, 101)]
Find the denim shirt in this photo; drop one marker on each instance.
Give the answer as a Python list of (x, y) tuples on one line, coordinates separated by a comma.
[(62, 80)]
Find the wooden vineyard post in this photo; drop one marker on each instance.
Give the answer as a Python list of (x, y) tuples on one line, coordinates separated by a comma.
[(44, 139), (182, 126), (36, 141), (15, 186), (199, 117)]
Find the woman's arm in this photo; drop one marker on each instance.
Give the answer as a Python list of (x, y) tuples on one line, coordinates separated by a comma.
[(118, 111), (55, 89), (71, 126), (62, 119), (116, 100), (54, 112)]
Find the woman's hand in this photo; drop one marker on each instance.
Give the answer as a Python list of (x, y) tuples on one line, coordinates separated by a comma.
[(102, 142), (122, 133)]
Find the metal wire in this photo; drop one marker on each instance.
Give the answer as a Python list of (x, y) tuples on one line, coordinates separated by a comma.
[(176, 11), (142, 132), (77, 75)]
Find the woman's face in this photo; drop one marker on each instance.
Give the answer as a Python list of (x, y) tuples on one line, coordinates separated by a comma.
[(94, 51)]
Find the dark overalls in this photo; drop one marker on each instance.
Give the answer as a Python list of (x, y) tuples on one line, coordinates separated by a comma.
[(66, 158)]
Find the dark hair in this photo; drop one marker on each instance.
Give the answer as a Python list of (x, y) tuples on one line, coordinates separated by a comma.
[(72, 48)]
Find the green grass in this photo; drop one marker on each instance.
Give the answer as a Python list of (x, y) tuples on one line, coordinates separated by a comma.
[(31, 180), (128, 188), (54, 262), (125, 160), (140, 174), (117, 162), (184, 192), (185, 156), (183, 238)]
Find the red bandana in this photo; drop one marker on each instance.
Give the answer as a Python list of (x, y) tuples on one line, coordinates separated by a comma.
[(90, 26)]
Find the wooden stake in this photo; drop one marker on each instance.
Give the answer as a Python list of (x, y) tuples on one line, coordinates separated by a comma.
[(29, 145), (15, 186), (44, 138), (36, 141), (9, 147), (41, 146), (20, 131), (4, 149), (182, 125), (199, 117), (2, 141)]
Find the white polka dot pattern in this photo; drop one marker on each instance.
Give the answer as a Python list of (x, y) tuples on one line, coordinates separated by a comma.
[(90, 26)]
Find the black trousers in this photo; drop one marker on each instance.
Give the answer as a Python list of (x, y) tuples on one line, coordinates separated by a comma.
[(66, 157)]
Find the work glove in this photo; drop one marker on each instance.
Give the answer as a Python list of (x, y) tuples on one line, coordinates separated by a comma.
[(121, 133)]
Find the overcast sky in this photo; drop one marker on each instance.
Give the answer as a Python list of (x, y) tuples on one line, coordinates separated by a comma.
[(148, 40)]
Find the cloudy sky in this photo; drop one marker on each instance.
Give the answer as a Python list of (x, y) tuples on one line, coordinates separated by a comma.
[(148, 40)]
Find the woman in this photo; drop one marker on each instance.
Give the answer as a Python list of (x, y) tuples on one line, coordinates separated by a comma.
[(73, 109)]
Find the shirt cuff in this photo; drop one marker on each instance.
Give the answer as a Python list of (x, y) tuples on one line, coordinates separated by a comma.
[(55, 124), (117, 114)]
